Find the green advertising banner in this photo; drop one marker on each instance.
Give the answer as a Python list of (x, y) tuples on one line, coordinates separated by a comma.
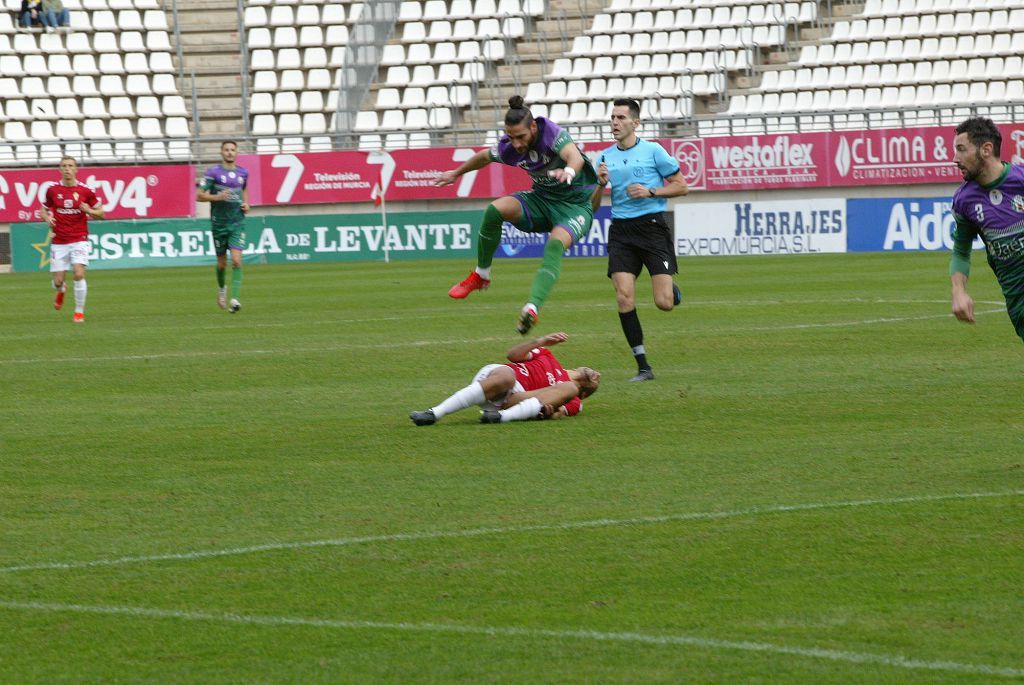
[(269, 239)]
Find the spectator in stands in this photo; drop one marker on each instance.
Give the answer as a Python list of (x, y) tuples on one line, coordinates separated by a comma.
[(989, 204), (642, 175), (30, 10), (557, 204), (533, 385), (54, 15)]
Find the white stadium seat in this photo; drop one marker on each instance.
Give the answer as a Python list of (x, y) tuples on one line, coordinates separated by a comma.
[(138, 84)]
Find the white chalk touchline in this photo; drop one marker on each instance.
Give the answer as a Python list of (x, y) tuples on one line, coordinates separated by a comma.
[(861, 322), (191, 354), (897, 661), (478, 532)]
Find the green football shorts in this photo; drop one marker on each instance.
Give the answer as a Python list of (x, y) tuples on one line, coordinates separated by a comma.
[(541, 213), (228, 236)]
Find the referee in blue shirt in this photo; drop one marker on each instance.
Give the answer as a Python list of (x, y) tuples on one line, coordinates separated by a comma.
[(643, 176)]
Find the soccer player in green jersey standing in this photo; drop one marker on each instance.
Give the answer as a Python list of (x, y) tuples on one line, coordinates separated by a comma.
[(226, 187)]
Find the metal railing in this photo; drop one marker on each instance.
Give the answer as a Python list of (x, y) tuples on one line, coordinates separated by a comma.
[(187, 150), (177, 40), (375, 27), (244, 66), (197, 124), (363, 53)]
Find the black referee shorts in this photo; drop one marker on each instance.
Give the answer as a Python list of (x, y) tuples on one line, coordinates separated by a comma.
[(643, 241)]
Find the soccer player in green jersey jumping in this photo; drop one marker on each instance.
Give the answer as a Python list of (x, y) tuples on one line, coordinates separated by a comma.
[(226, 188), (557, 204)]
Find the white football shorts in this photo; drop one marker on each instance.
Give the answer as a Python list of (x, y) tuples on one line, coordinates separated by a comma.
[(496, 404), (63, 256)]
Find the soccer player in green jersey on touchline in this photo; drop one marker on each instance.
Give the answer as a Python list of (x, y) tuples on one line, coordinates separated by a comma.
[(226, 187), (990, 205), (557, 204)]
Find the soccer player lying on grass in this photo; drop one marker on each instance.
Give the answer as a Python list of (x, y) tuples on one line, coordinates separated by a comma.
[(533, 385)]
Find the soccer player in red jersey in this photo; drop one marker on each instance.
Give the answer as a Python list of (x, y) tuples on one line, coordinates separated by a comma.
[(533, 385), (67, 209)]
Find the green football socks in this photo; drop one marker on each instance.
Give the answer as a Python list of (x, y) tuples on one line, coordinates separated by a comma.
[(490, 237), (220, 277), (236, 281), (547, 275)]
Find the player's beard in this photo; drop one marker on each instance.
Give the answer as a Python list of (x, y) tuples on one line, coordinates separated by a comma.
[(972, 173)]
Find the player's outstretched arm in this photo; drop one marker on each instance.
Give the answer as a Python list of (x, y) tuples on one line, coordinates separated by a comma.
[(552, 398), (602, 183), (477, 161), (574, 162), (204, 195), (963, 304), (960, 271), (96, 212), (521, 352), (675, 186)]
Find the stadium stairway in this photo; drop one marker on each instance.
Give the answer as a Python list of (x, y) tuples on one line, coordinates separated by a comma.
[(786, 59), (532, 57), (211, 50), (526, 59)]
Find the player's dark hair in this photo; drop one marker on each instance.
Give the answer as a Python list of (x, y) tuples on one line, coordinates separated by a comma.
[(979, 131), (67, 157), (634, 106), (228, 142), (517, 112)]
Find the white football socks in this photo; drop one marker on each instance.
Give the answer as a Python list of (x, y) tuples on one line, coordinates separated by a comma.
[(484, 272), (524, 411), (470, 395), (80, 292)]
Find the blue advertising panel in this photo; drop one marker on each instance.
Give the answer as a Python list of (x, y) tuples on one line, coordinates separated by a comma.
[(887, 224)]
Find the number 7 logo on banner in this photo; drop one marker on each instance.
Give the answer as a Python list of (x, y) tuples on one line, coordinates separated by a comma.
[(466, 183), (291, 179), (387, 169)]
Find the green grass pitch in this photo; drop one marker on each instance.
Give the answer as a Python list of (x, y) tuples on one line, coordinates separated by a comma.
[(823, 485)]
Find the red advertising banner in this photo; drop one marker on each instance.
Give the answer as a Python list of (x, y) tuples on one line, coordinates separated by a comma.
[(749, 162), (828, 159), (328, 177), (141, 192)]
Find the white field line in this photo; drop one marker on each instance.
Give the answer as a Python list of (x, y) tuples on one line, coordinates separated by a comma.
[(862, 322), (896, 661), (189, 354), (695, 303), (508, 530), (192, 354)]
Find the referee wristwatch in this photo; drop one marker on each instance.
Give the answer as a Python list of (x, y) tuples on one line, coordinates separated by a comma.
[(651, 192)]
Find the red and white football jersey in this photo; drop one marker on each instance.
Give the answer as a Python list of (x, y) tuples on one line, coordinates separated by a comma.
[(64, 203), (543, 370)]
